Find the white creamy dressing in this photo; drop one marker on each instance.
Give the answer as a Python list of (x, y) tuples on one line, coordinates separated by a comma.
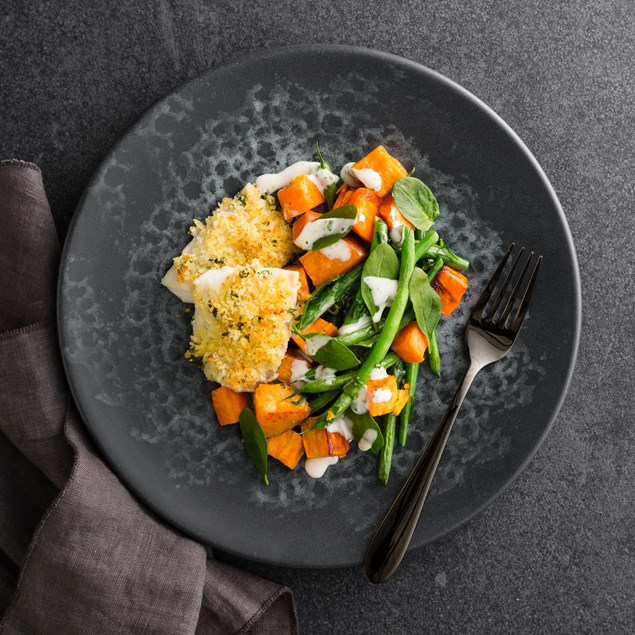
[(383, 291), (315, 468), (323, 178), (324, 373), (315, 342), (354, 326), (381, 395), (338, 251), (367, 440), (378, 373), (396, 234), (359, 405), (299, 368), (343, 425), (348, 176), (321, 228), (370, 178), (270, 183)]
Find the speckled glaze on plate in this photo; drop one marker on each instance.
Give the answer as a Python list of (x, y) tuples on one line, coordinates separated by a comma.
[(123, 335)]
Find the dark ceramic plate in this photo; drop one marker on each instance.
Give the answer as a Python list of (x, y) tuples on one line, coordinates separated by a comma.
[(123, 335)]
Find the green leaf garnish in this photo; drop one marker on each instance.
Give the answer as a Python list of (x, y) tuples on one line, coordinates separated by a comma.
[(416, 202), (255, 442)]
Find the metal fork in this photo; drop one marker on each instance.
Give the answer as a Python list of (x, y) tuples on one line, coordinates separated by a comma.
[(490, 334)]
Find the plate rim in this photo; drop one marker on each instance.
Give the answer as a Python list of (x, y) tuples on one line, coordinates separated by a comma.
[(312, 49)]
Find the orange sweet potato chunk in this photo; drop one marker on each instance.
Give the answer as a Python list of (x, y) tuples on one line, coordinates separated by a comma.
[(389, 213), (287, 448), (450, 285), (410, 343), (277, 410), (385, 165), (321, 443), (377, 407), (299, 196), (320, 268), (338, 444), (316, 444), (343, 196), (319, 326), (228, 405), (367, 208)]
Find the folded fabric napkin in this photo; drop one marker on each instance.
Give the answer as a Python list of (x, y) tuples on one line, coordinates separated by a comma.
[(78, 553)]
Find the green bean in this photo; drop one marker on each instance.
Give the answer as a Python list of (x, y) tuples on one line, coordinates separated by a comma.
[(325, 385), (434, 357), (361, 335), (388, 332), (385, 454), (448, 256), (380, 233), (323, 400), (412, 371), (436, 267), (425, 244), (324, 297)]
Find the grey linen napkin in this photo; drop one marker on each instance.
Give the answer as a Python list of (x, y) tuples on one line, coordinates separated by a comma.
[(78, 553)]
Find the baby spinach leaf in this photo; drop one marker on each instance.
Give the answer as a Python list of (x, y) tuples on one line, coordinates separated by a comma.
[(362, 423), (425, 302), (334, 354), (346, 212), (416, 202), (382, 263), (255, 442)]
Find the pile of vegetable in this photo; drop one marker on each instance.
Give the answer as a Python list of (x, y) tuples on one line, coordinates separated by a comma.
[(375, 279)]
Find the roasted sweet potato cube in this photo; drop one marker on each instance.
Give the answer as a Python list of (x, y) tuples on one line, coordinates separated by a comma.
[(389, 213), (385, 165), (403, 394), (346, 253), (316, 444), (228, 405), (343, 196), (319, 326), (382, 395), (277, 410), (410, 343), (338, 444), (367, 208), (301, 195), (287, 447), (450, 285)]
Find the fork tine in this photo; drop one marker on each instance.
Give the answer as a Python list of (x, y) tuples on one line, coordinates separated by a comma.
[(487, 292), (524, 303), (499, 296), (514, 294)]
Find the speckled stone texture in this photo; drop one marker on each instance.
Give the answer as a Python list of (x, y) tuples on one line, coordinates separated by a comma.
[(556, 553)]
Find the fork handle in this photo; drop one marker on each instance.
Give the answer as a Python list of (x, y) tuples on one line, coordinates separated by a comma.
[(391, 540)]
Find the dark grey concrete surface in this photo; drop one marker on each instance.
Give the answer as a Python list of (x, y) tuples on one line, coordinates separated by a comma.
[(556, 553)]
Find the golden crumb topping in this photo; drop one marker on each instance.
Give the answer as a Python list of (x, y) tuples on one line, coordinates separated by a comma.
[(240, 230), (242, 323)]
